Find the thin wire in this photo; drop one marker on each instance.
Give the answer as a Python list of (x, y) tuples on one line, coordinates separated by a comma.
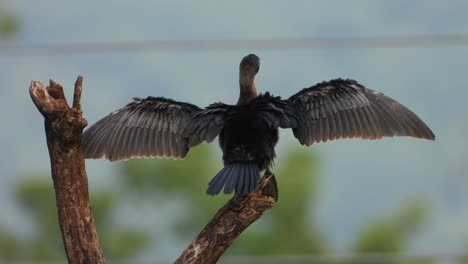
[(396, 41)]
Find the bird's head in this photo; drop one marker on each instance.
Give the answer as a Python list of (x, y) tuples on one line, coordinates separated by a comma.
[(250, 65), (248, 68)]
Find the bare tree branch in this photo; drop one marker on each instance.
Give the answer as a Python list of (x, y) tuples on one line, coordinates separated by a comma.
[(233, 218), (64, 126)]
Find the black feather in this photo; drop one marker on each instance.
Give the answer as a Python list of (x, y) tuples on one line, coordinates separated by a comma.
[(344, 108), (141, 129), (248, 131)]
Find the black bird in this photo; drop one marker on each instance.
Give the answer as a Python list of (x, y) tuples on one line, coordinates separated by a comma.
[(248, 130)]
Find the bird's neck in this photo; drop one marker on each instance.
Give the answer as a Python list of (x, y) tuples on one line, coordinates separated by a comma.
[(248, 91)]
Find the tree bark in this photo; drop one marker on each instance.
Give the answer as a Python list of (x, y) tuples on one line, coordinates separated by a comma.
[(233, 218), (64, 126)]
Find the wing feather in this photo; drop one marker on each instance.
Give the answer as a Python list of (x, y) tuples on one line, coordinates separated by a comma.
[(345, 109), (150, 127)]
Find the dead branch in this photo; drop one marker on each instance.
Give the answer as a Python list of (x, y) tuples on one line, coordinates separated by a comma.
[(233, 218), (64, 126)]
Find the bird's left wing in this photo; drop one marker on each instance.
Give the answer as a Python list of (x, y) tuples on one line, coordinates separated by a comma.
[(150, 127), (346, 109)]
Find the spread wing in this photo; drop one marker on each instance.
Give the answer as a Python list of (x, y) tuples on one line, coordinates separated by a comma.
[(346, 109), (151, 127)]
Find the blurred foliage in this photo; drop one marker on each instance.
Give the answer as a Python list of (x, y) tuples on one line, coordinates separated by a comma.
[(9, 246), (389, 235), (8, 24), (285, 229), (289, 228), (36, 196)]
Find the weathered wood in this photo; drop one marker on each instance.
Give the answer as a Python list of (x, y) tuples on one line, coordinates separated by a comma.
[(233, 218), (64, 126)]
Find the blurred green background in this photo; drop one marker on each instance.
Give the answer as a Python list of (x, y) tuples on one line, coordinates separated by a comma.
[(338, 201)]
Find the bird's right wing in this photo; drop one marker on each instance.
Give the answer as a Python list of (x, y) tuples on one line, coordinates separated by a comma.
[(346, 109), (151, 127)]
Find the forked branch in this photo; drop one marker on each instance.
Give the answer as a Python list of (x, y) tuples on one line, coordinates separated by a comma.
[(63, 127)]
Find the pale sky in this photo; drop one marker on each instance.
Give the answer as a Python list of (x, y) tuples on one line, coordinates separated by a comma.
[(360, 180)]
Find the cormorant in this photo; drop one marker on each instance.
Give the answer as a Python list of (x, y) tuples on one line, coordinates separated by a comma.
[(248, 130)]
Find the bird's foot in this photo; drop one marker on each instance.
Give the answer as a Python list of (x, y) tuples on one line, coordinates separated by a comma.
[(272, 187)]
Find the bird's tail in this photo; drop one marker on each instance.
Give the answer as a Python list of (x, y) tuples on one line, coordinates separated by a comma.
[(239, 177)]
